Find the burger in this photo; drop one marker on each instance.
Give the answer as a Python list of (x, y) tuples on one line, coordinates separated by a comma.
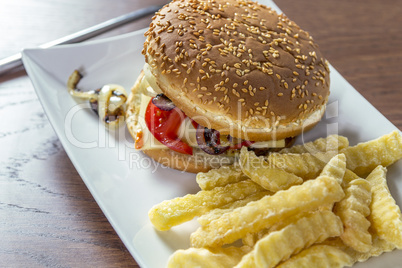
[(220, 75)]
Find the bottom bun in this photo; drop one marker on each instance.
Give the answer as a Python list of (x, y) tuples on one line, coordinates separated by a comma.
[(198, 162)]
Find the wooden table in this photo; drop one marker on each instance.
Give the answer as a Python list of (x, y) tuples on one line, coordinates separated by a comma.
[(47, 215)]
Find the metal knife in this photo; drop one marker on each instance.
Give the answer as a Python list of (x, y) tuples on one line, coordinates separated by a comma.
[(14, 61)]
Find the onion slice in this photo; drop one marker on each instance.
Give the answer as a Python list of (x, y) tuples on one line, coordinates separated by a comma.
[(72, 83), (208, 140), (109, 102), (163, 102)]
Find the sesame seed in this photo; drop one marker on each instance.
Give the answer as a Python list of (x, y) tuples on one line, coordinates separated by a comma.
[(231, 43)]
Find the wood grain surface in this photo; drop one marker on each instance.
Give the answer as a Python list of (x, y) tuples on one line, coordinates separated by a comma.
[(48, 218)]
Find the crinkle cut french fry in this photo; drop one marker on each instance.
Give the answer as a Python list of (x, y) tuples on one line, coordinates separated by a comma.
[(385, 216), (330, 143), (179, 210), (280, 245), (288, 221), (251, 239), (349, 176), (216, 213), (379, 246), (258, 170), (306, 166), (353, 210), (319, 256), (265, 212), (208, 258), (220, 177), (366, 156), (336, 167)]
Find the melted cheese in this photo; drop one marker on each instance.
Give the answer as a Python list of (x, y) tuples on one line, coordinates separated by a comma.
[(269, 144), (149, 141), (150, 80)]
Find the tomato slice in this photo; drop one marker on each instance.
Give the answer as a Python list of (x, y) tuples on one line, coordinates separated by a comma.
[(164, 126), (195, 124), (241, 144)]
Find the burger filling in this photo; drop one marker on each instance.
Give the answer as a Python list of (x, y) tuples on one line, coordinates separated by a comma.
[(165, 125)]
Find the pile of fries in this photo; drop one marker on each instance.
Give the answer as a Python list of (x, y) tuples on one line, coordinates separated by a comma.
[(321, 204)]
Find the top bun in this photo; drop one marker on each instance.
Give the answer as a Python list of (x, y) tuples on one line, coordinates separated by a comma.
[(238, 67)]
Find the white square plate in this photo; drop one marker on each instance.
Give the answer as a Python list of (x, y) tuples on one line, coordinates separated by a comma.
[(125, 183)]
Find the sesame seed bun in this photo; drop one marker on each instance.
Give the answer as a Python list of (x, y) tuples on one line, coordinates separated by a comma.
[(238, 67)]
